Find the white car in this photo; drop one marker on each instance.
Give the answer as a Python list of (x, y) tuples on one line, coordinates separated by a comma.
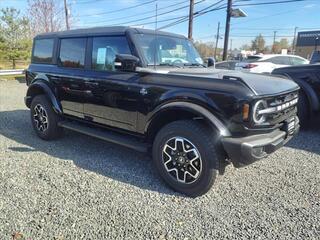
[(266, 63)]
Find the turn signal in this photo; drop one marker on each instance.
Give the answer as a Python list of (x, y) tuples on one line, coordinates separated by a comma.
[(245, 111)]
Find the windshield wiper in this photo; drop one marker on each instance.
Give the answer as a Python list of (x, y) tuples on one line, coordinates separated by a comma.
[(193, 64), (170, 65)]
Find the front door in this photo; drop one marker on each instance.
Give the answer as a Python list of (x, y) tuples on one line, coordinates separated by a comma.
[(114, 95)]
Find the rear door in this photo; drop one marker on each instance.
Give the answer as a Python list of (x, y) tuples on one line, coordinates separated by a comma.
[(114, 95), (70, 78)]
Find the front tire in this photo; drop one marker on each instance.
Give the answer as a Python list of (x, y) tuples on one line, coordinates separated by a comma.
[(44, 119), (187, 157)]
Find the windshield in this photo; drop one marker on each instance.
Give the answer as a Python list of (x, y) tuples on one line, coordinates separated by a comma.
[(167, 50)]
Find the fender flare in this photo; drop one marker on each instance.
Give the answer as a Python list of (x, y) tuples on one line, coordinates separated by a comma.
[(40, 84), (310, 93), (308, 90), (195, 108)]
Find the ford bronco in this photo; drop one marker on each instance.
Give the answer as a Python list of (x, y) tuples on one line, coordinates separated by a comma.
[(150, 91)]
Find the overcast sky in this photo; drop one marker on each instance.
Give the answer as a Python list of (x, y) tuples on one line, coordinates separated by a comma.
[(265, 19)]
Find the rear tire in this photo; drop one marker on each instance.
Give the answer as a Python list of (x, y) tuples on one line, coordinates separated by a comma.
[(44, 119), (175, 151)]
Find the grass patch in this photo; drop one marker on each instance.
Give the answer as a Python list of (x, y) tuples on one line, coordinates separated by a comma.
[(20, 77)]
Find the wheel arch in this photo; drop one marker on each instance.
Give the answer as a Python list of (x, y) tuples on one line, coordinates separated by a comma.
[(41, 87), (307, 89), (174, 111), (311, 95)]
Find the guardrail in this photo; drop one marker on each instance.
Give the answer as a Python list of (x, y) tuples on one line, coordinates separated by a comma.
[(11, 72)]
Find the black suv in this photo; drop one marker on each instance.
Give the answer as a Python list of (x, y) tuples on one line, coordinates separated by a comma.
[(150, 91), (307, 76)]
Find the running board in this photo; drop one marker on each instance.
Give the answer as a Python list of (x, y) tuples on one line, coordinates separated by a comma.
[(117, 138)]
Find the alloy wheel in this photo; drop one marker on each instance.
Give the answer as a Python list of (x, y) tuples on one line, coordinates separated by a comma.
[(182, 160), (40, 118)]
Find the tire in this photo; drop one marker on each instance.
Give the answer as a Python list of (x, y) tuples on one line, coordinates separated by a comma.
[(200, 139), (303, 109), (44, 119)]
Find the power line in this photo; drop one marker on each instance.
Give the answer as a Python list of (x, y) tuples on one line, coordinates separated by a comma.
[(136, 21), (269, 3), (122, 9), (135, 15), (196, 14)]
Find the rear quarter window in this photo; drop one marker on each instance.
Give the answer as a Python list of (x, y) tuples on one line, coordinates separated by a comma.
[(43, 51)]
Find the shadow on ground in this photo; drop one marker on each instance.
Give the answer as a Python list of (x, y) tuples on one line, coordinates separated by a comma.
[(308, 138), (88, 153)]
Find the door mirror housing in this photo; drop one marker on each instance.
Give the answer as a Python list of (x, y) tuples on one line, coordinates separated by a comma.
[(126, 62), (211, 62)]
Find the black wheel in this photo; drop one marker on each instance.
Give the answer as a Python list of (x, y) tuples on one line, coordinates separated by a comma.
[(44, 119), (303, 109), (186, 156)]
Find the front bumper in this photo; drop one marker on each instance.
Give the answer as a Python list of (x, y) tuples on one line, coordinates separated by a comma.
[(246, 150)]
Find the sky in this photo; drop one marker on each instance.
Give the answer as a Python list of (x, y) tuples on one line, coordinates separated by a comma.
[(263, 19)]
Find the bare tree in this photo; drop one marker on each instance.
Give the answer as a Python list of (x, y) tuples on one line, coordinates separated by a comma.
[(46, 15)]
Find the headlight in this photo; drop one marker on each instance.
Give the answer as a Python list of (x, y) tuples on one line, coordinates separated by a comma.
[(259, 118)]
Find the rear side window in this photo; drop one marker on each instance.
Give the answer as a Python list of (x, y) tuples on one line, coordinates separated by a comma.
[(281, 60), (72, 52), (43, 51), (104, 50)]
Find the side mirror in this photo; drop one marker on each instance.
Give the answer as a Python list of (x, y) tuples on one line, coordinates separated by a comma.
[(211, 62), (126, 62)]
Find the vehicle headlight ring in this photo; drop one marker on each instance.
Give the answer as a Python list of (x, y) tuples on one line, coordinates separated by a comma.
[(259, 118)]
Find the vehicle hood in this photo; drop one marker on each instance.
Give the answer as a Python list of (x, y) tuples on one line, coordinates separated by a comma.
[(260, 84)]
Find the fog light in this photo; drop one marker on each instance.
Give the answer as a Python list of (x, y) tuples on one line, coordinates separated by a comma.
[(258, 151)]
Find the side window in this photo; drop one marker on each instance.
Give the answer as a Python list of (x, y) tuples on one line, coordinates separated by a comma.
[(297, 61), (43, 50), (72, 52), (281, 60), (104, 50)]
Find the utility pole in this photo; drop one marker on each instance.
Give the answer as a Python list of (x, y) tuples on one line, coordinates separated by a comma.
[(274, 41), (294, 40), (217, 40), (226, 35), (67, 14), (190, 29), (230, 45)]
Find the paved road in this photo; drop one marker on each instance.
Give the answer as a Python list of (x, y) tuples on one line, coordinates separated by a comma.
[(82, 188)]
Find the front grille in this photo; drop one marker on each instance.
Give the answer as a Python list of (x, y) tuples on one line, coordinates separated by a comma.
[(285, 106)]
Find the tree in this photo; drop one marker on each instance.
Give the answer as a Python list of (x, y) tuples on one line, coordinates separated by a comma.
[(278, 46), (245, 47), (284, 43), (258, 44), (206, 49), (14, 41), (46, 16)]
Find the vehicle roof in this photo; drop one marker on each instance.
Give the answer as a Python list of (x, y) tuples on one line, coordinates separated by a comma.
[(267, 56), (96, 31)]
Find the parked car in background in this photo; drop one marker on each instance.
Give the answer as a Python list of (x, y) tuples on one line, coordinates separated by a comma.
[(228, 65), (114, 84), (268, 62), (308, 78), (315, 57)]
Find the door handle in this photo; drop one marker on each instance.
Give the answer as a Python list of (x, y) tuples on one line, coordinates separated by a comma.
[(92, 83)]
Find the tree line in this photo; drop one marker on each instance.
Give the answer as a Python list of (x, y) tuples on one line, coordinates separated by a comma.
[(17, 30)]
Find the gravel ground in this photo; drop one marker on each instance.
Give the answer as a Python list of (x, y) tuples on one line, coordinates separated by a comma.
[(82, 188)]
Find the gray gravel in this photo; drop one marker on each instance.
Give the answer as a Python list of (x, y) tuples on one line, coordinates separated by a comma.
[(82, 188)]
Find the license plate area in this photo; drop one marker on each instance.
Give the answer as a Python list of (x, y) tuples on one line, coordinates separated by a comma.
[(290, 126)]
